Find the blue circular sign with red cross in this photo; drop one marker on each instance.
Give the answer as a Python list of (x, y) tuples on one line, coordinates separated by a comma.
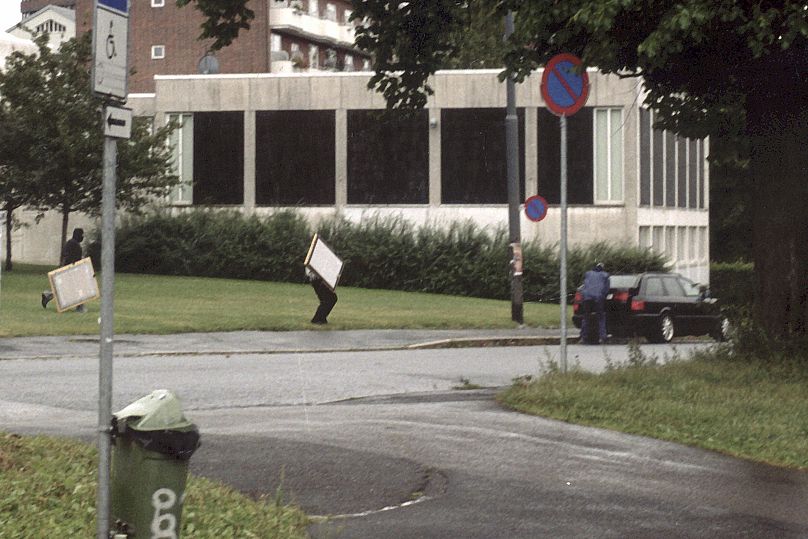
[(564, 85), (536, 208)]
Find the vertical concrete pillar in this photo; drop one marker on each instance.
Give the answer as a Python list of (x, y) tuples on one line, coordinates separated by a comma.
[(249, 160), (434, 157), (341, 158), (531, 152)]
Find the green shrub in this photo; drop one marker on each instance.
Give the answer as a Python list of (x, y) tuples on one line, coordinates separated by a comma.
[(733, 283), (379, 252)]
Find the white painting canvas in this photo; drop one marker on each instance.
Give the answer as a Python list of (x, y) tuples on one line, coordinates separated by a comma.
[(73, 285), (322, 261)]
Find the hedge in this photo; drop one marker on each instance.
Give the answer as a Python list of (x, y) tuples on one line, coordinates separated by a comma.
[(391, 253)]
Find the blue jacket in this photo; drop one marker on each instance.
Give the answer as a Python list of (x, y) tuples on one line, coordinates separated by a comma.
[(596, 285)]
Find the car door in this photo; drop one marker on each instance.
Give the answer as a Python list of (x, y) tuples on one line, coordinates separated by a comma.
[(704, 309), (683, 306)]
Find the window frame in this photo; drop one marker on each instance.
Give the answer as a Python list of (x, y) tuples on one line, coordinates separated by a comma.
[(158, 3), (610, 134), (154, 49)]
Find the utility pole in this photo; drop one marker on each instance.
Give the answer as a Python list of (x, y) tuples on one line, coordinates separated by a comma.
[(512, 155)]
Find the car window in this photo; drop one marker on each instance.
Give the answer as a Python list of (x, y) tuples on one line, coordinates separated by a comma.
[(673, 287), (653, 287), (691, 289), (622, 281)]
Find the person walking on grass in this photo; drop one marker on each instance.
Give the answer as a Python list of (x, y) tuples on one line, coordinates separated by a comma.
[(71, 252), (595, 289)]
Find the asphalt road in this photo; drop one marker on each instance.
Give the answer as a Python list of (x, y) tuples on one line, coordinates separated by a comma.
[(382, 444)]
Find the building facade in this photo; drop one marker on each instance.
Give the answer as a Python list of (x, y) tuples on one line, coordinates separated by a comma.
[(57, 22), (321, 143), (285, 36)]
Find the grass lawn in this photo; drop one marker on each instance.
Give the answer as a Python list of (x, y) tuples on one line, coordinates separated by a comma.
[(160, 304), (49, 484), (752, 410)]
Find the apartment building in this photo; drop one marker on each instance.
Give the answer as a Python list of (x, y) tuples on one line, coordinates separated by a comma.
[(285, 36)]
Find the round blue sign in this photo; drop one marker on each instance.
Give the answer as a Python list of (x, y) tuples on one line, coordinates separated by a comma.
[(536, 208), (564, 85)]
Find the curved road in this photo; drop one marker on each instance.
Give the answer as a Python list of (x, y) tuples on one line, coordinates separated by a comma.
[(382, 443)]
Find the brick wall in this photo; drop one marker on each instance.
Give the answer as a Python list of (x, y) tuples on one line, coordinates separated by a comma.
[(30, 6), (177, 30)]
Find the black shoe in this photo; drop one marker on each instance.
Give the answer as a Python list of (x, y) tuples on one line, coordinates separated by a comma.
[(45, 300), (319, 322)]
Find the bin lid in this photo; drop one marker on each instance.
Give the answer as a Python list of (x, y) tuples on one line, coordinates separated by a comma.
[(160, 410)]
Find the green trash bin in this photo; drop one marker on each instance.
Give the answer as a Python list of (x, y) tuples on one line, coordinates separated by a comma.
[(152, 442)]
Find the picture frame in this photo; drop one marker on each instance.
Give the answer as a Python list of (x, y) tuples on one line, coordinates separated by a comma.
[(323, 262)]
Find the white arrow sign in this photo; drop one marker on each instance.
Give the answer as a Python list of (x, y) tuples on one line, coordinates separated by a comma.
[(117, 122)]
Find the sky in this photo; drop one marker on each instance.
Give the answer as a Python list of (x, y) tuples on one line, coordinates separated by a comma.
[(9, 14)]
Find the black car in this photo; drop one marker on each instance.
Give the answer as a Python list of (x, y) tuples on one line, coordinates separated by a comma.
[(658, 306)]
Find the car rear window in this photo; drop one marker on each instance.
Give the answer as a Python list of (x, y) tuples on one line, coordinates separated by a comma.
[(622, 281)]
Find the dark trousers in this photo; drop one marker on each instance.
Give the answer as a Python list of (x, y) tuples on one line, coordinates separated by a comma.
[(327, 299), (598, 307)]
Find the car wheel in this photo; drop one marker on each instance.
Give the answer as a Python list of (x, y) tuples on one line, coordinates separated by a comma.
[(664, 331), (722, 329)]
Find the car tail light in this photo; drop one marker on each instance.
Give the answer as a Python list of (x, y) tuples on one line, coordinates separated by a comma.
[(637, 305), (622, 297), (576, 302)]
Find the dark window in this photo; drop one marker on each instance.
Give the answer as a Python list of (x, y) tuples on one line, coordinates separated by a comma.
[(218, 158), (388, 157), (670, 170), (294, 157), (580, 174), (473, 164), (681, 168), (693, 165), (659, 167), (645, 157), (701, 174)]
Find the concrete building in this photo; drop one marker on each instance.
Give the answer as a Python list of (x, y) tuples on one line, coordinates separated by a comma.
[(59, 23), (317, 142)]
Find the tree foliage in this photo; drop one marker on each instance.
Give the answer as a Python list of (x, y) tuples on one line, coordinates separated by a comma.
[(53, 137)]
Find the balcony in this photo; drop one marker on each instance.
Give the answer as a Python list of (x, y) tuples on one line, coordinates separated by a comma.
[(299, 23)]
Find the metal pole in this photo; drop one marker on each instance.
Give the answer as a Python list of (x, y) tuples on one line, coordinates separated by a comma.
[(107, 334), (512, 155), (563, 271)]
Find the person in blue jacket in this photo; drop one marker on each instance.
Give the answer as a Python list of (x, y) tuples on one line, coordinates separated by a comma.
[(595, 289)]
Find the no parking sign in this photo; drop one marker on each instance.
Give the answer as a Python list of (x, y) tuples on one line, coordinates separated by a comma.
[(564, 85)]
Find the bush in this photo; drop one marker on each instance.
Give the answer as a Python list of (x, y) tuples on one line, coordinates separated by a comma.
[(733, 283), (391, 253)]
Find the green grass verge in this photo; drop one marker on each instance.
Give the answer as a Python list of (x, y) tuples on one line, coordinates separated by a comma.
[(162, 304), (757, 411), (49, 485)]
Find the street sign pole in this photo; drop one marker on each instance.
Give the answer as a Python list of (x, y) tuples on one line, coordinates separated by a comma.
[(110, 81), (563, 295), (107, 334), (565, 89), (514, 233)]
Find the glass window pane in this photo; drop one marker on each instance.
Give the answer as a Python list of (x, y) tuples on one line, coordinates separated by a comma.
[(616, 133), (645, 236), (601, 154), (645, 157)]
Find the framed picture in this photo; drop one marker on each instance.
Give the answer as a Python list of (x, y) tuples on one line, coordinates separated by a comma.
[(74, 284), (322, 261)]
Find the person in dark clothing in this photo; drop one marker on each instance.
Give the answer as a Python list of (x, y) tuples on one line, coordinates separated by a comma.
[(71, 252), (595, 289), (327, 297)]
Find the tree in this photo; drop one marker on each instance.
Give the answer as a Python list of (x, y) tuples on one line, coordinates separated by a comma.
[(732, 69), (60, 121)]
